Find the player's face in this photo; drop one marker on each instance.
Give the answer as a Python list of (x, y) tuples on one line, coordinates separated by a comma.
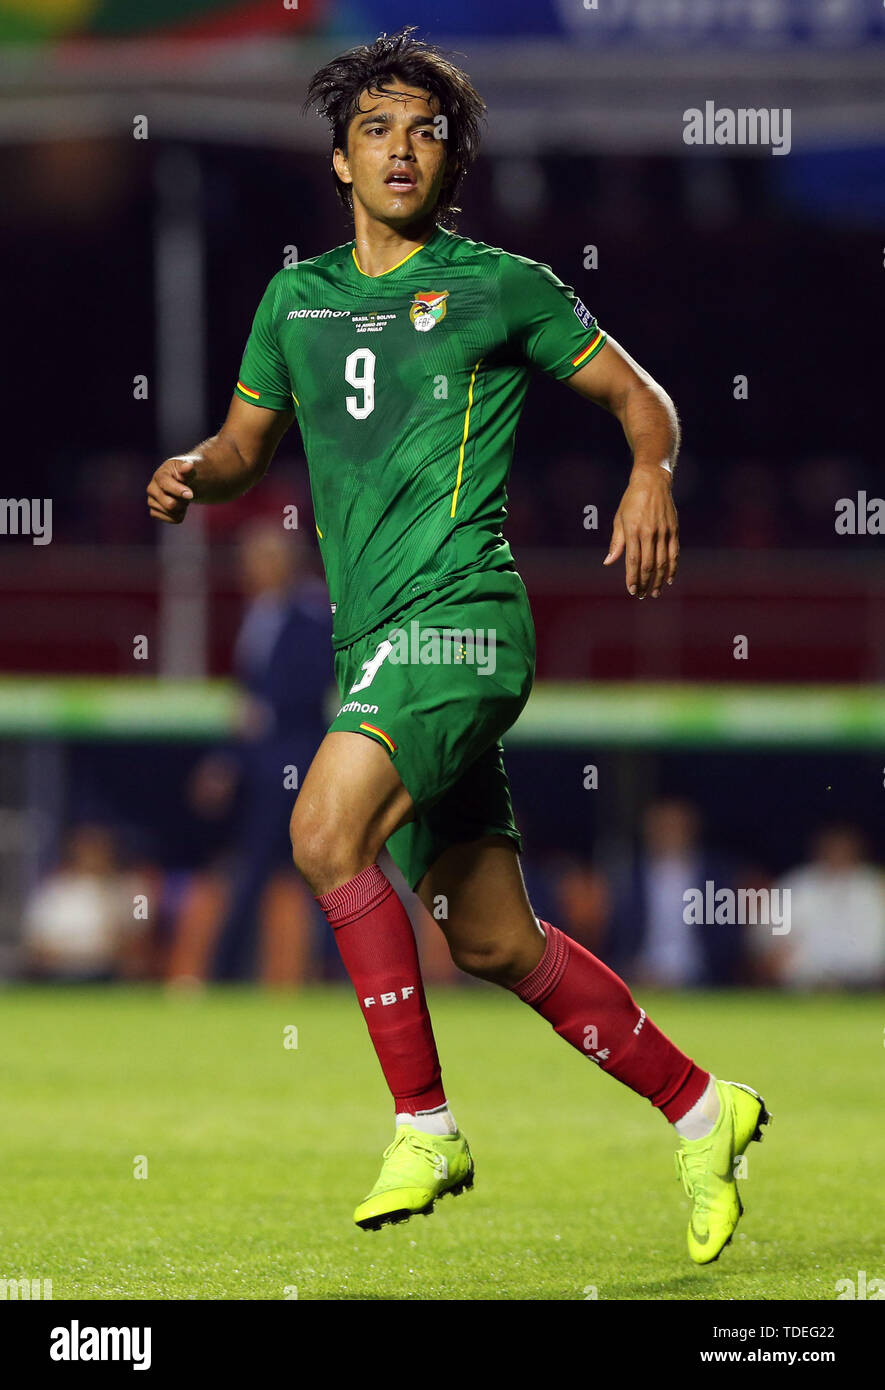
[(395, 160)]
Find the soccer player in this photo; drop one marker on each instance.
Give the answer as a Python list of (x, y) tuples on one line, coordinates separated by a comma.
[(405, 356)]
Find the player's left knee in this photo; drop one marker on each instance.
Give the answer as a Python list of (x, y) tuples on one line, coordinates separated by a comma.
[(500, 962)]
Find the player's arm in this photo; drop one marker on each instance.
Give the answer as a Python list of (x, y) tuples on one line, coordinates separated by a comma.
[(645, 528), (221, 468)]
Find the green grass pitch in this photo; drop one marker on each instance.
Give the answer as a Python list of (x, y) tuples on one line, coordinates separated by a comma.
[(257, 1153)]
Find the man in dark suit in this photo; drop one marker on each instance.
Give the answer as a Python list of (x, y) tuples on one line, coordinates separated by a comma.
[(650, 941), (283, 662)]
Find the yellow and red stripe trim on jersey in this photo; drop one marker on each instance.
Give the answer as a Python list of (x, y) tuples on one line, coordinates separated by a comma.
[(595, 342), (372, 729), (464, 436), (247, 391)]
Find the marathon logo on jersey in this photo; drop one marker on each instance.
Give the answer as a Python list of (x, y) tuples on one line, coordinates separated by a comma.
[(354, 707), (318, 314), (583, 314), (428, 309)]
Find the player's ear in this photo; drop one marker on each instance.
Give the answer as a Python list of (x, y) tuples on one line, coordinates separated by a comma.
[(341, 166)]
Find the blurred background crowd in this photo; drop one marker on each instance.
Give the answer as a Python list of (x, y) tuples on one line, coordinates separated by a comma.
[(746, 283), (245, 915), (225, 904)]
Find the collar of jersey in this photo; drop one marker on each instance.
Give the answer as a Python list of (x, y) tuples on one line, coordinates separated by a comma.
[(431, 241)]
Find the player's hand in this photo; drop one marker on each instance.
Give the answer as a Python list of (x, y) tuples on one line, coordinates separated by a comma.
[(646, 530), (169, 492)]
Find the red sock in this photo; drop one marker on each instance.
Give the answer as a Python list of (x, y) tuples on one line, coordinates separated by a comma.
[(591, 1007), (377, 946)]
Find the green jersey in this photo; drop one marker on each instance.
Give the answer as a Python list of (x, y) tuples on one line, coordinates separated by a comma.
[(408, 387)]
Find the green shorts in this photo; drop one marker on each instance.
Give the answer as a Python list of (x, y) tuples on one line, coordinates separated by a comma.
[(437, 686)]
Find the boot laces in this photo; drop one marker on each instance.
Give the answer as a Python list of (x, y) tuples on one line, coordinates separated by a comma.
[(410, 1143), (691, 1168)]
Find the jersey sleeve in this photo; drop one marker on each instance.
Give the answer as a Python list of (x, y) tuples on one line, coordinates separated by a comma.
[(264, 376), (545, 320)]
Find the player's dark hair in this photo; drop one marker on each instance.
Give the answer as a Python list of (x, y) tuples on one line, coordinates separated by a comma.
[(335, 91)]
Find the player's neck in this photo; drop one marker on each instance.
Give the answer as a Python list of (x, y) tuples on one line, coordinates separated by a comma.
[(380, 248)]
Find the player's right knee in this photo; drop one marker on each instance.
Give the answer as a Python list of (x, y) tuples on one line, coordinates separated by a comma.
[(326, 853), (313, 851)]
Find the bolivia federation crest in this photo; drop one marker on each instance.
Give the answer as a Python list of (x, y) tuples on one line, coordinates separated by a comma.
[(428, 308)]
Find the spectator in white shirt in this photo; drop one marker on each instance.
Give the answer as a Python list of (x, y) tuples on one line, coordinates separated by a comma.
[(836, 917), (80, 922)]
